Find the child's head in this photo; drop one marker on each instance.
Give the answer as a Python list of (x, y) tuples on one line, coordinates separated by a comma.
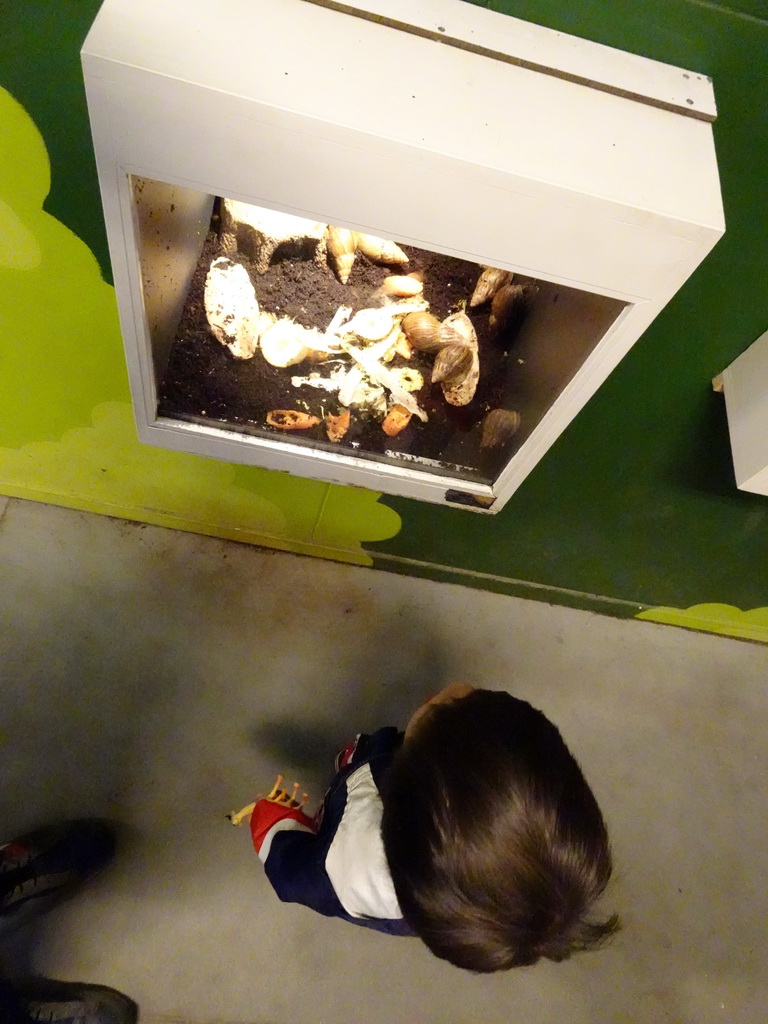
[(495, 843)]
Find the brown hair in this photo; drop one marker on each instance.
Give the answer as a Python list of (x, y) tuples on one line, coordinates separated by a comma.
[(494, 840)]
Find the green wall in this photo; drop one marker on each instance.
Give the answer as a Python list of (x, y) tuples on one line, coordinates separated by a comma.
[(635, 506), (636, 502)]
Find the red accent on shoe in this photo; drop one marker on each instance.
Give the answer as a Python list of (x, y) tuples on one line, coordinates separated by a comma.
[(345, 756), (14, 849)]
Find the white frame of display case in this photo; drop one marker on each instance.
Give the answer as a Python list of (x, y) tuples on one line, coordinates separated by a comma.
[(745, 385), (599, 165)]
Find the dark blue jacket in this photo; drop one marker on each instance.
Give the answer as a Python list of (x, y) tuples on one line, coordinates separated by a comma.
[(336, 864)]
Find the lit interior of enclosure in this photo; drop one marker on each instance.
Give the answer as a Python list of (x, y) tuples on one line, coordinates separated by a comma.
[(277, 326)]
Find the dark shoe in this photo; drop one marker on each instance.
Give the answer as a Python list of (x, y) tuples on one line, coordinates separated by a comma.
[(40, 867), (58, 1002)]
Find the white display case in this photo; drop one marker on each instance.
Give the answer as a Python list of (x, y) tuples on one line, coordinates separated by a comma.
[(454, 131)]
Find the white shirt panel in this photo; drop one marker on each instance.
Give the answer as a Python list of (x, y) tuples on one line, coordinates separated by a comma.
[(356, 864)]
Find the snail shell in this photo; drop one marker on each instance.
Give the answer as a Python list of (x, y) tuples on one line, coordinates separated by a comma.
[(448, 337), (463, 391), (452, 364), (457, 329), (291, 419), (380, 250), (489, 282), (337, 426), (396, 420), (498, 426), (401, 285), (506, 303), (341, 245), (421, 330)]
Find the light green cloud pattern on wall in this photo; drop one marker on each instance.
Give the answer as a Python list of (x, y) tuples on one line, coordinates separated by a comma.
[(60, 348), (66, 428), (714, 618)]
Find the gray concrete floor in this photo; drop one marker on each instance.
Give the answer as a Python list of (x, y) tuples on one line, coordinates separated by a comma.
[(159, 678)]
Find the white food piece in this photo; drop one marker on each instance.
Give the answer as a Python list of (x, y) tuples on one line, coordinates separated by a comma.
[(339, 317), (409, 378), (368, 396), (353, 388), (382, 375), (232, 309), (330, 338), (356, 391), (381, 349), (286, 342), (314, 380), (370, 324), (352, 381), (403, 306), (366, 383), (376, 323), (257, 232)]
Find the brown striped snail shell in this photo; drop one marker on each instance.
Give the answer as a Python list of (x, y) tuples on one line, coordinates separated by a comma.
[(462, 391), (449, 336), (421, 330), (380, 250), (402, 285), (457, 329), (507, 302), (498, 426), (452, 364), (489, 282), (341, 245)]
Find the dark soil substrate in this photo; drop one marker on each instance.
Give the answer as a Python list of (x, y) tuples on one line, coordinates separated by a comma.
[(204, 383)]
